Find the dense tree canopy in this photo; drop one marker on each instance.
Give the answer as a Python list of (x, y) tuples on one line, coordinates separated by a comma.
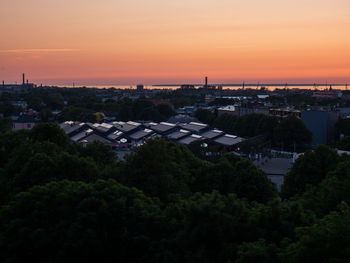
[(309, 170), (327, 241), (291, 134), (61, 202), (78, 222)]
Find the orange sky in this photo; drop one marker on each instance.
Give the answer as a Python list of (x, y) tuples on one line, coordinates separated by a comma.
[(165, 41)]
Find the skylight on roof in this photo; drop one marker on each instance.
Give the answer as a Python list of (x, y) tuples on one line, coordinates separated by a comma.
[(231, 136), (106, 125), (133, 123), (199, 124), (168, 124)]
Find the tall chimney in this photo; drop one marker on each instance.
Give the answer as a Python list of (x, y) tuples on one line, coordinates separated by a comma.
[(206, 82), (23, 79)]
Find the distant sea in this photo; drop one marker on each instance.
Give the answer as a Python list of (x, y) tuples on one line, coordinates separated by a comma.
[(225, 86)]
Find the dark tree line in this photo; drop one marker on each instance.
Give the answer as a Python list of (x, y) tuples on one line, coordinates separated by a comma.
[(61, 202), (289, 133)]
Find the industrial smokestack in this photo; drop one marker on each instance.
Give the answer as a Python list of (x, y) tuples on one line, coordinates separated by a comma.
[(23, 79), (206, 82)]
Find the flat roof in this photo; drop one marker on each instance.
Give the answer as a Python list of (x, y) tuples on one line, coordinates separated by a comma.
[(228, 140), (178, 134), (141, 134), (95, 138), (163, 127), (71, 126), (194, 126), (212, 134), (115, 135), (189, 139), (79, 136), (228, 108), (126, 126)]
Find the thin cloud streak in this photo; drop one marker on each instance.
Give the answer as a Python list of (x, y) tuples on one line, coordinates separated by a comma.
[(53, 50)]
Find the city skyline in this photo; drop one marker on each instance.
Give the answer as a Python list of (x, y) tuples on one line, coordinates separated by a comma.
[(155, 42)]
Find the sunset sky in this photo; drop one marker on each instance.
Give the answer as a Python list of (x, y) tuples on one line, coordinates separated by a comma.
[(105, 42)]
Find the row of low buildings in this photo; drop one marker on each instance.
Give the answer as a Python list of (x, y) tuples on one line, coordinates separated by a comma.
[(133, 134)]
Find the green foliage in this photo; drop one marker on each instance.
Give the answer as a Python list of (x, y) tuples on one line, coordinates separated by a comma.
[(212, 225), (249, 125), (342, 127), (9, 142), (54, 207), (78, 222), (72, 113), (326, 241), (45, 114), (165, 110), (160, 169), (5, 124), (258, 251), (54, 101), (309, 170), (344, 144), (8, 109), (205, 116), (35, 103), (100, 153), (233, 174), (291, 134), (49, 132), (332, 191)]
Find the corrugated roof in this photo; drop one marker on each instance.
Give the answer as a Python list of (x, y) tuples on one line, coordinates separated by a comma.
[(115, 135), (163, 127), (178, 134), (211, 134), (228, 140), (194, 126), (126, 126), (189, 139), (95, 138), (70, 127), (141, 134), (79, 136)]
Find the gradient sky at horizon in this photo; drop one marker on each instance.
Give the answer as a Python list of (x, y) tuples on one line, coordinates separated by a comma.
[(103, 42)]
